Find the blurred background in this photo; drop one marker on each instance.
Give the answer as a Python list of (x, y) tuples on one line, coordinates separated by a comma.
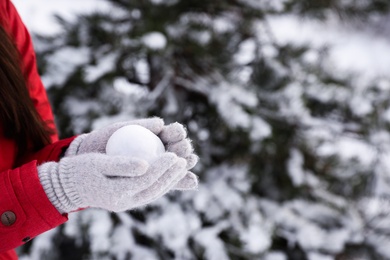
[(287, 103)]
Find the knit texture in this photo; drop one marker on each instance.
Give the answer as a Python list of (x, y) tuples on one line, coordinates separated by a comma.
[(173, 136), (74, 146), (49, 176), (115, 183)]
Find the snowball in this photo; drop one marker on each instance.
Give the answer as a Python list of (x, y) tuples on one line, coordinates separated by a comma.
[(135, 141)]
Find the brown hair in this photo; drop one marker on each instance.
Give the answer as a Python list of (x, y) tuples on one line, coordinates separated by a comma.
[(19, 120)]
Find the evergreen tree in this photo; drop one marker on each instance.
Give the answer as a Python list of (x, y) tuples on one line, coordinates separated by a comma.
[(294, 154)]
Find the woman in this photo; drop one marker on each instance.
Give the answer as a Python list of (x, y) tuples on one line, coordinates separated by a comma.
[(42, 179)]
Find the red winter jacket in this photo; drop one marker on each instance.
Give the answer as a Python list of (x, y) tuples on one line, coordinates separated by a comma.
[(22, 198)]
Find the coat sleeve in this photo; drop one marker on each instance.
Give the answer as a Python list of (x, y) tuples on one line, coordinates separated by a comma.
[(25, 210), (16, 28)]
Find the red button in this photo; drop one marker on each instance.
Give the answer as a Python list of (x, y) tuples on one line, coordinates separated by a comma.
[(8, 218)]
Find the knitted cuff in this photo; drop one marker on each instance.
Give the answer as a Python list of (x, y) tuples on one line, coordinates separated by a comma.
[(75, 145), (58, 187)]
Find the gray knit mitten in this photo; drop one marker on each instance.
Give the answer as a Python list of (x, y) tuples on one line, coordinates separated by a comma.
[(173, 136), (115, 183)]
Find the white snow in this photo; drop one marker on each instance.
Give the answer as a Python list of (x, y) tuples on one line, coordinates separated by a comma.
[(213, 245), (42, 245), (104, 65), (154, 40), (295, 167), (386, 115), (293, 105), (275, 255), (246, 52), (100, 226), (310, 236), (271, 5), (349, 149), (302, 222), (361, 106), (122, 242), (260, 129), (135, 141), (350, 49), (202, 37), (142, 69), (223, 25), (38, 14), (256, 237), (62, 64), (123, 86), (231, 102), (174, 226), (319, 256)]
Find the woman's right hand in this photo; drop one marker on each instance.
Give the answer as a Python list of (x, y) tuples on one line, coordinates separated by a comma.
[(115, 183)]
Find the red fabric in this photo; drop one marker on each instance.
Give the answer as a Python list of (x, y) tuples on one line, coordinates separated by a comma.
[(9, 255), (22, 193), (20, 189)]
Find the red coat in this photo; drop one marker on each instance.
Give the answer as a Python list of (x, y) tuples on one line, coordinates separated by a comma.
[(20, 190)]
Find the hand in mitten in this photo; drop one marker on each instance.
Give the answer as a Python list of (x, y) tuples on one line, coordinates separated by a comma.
[(173, 136), (115, 183)]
